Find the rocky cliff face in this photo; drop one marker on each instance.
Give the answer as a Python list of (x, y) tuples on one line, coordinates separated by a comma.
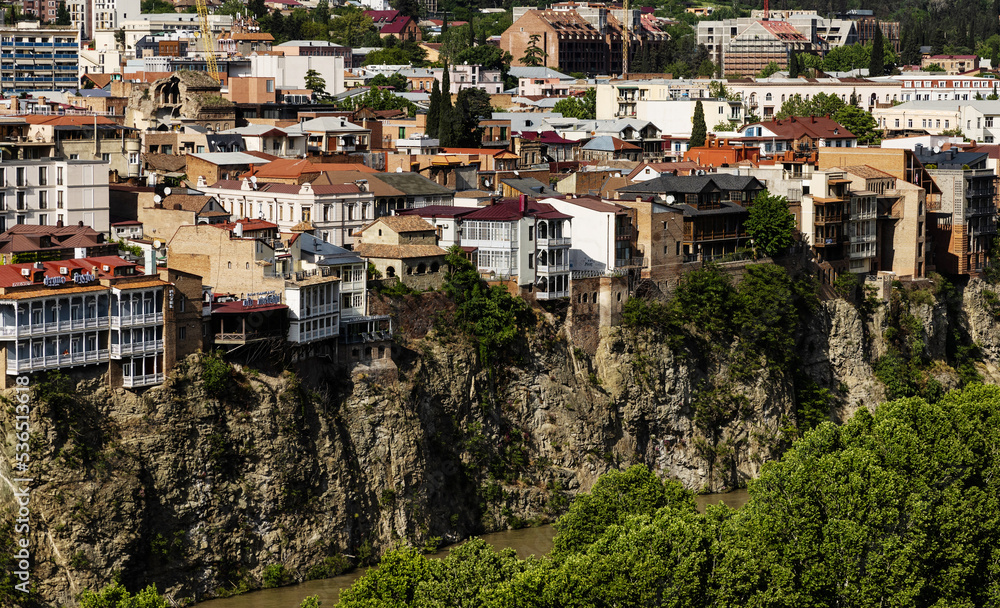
[(202, 493)]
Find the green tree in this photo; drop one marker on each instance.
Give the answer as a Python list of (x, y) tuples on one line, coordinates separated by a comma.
[(115, 596), (315, 83), (388, 56), (821, 104), (793, 65), (397, 82), (578, 107), (616, 496), (859, 122), (156, 7), (351, 27), (382, 99), (769, 69), (446, 130), (533, 55), (312, 601), (62, 14), (231, 7), (257, 8), (876, 67), (699, 130), (321, 14), (434, 110), (770, 224), (488, 56), (393, 584)]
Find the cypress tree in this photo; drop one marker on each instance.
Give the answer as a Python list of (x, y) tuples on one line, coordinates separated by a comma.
[(698, 130), (876, 67), (445, 131), (434, 111), (793, 65)]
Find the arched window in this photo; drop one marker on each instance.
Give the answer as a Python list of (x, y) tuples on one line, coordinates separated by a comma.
[(435, 266), (409, 270), (390, 271), (543, 230), (421, 268), (768, 97)]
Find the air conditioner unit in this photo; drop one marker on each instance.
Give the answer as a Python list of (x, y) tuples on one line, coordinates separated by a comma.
[(63, 270), (25, 272), (106, 268)]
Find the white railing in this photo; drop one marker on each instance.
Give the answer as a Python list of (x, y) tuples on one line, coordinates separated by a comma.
[(553, 241), (137, 348), (144, 380), (129, 320), (552, 268), (552, 295), (39, 329), (36, 364), (319, 334), (863, 238), (319, 311)]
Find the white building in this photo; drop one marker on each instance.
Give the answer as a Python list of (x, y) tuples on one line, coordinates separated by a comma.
[(934, 86), (475, 77), (286, 142), (976, 119), (147, 24), (602, 233), (46, 192), (108, 15), (334, 212), (289, 71)]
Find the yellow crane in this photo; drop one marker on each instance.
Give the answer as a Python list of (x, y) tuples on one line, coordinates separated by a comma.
[(208, 40)]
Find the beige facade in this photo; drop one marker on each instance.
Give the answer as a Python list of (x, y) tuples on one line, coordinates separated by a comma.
[(405, 247)]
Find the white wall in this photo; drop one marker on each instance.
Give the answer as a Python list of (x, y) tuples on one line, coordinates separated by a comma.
[(289, 72), (593, 236)]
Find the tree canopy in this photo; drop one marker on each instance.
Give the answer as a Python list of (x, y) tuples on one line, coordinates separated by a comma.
[(578, 107), (895, 508), (699, 130), (770, 224)]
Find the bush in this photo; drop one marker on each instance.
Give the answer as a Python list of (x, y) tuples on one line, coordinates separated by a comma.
[(846, 284), (217, 374), (116, 596), (276, 575), (312, 601), (335, 565)]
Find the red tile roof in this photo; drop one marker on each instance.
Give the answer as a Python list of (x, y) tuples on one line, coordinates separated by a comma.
[(814, 126), (509, 211), (783, 31), (398, 26)]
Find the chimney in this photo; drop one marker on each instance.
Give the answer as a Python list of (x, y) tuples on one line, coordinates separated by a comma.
[(522, 202), (59, 223), (150, 266), (80, 223), (813, 119)]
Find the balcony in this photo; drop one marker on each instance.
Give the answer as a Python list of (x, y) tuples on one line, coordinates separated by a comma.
[(552, 295), (980, 210), (865, 215), (981, 230), (821, 241), (629, 263), (862, 238), (625, 234), (554, 242), (38, 364), (822, 220), (41, 329), (137, 348), (153, 318), (246, 337), (319, 334), (705, 235), (312, 312), (860, 255), (552, 268), (144, 380)]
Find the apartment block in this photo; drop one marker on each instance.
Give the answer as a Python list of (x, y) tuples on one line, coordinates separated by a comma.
[(46, 192), (38, 58), (83, 312)]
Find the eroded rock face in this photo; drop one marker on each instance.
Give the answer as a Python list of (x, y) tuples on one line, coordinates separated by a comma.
[(198, 493)]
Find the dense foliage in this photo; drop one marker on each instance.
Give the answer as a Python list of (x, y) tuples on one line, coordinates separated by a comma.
[(895, 508), (578, 107), (494, 317), (770, 224)]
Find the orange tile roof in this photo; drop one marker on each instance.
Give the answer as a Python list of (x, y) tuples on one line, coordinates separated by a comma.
[(144, 284)]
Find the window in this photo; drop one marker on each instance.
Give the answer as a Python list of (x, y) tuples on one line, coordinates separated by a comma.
[(270, 86), (20, 176), (989, 121), (106, 157), (897, 123), (722, 110), (768, 97), (946, 122), (181, 333), (21, 205), (43, 176), (909, 123), (43, 199)]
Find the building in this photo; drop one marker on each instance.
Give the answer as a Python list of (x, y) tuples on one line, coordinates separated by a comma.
[(108, 15), (975, 119), (331, 135), (46, 192), (475, 77), (606, 147), (933, 86), (840, 225), (714, 208), (403, 246), (523, 242), (211, 167), (605, 235), (285, 142), (89, 137), (316, 48), (952, 64), (31, 243), (332, 212), (102, 312), (569, 41), (801, 134), (161, 216), (38, 58), (244, 43)]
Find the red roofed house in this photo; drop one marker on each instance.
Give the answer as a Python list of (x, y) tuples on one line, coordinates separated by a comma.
[(799, 135), (100, 312), (761, 43), (522, 242), (391, 23), (28, 243)]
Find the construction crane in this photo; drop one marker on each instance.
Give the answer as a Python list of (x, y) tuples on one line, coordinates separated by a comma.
[(208, 40), (626, 35)]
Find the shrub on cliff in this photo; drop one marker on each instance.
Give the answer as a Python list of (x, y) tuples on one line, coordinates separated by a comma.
[(217, 374), (116, 596), (497, 319)]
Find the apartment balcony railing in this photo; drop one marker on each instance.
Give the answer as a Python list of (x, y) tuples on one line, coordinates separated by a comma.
[(41, 329), (828, 241), (828, 219), (319, 334), (625, 234), (981, 230), (244, 337), (37, 364), (633, 262), (143, 380), (133, 320), (556, 241), (864, 215), (980, 210), (137, 348), (552, 268), (862, 238), (552, 295), (860, 255)]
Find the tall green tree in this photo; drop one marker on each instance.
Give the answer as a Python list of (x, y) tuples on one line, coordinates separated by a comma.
[(770, 224), (315, 83), (62, 14), (699, 130), (876, 67), (534, 56), (434, 110), (859, 122), (446, 119), (793, 65)]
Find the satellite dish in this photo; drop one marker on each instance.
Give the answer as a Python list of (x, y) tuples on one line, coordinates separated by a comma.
[(253, 179), (157, 244), (166, 191), (937, 149), (399, 169), (670, 199), (157, 199)]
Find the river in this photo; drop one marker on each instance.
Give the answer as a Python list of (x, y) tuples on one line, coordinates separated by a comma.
[(527, 541)]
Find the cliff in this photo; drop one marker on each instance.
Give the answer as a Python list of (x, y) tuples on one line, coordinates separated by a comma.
[(202, 489)]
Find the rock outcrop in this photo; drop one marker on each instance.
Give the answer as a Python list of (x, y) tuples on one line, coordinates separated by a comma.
[(200, 493)]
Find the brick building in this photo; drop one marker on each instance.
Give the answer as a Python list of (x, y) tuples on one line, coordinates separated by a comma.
[(570, 42)]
